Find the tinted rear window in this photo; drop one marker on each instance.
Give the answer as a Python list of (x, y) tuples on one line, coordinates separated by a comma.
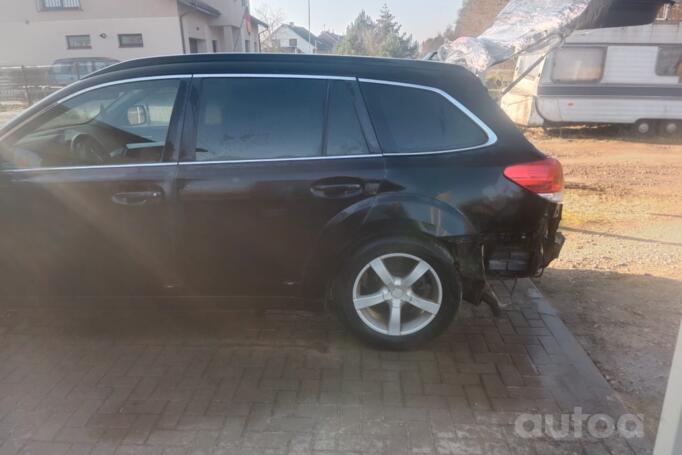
[(415, 120), (252, 118)]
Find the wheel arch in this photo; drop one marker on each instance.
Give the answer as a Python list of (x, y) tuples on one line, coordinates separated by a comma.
[(388, 215)]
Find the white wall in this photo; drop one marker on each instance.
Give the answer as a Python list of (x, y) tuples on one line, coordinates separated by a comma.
[(29, 36), (42, 42), (232, 12), (27, 10), (229, 29), (196, 26)]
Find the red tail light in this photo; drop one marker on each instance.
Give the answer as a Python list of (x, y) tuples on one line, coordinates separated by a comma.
[(543, 177)]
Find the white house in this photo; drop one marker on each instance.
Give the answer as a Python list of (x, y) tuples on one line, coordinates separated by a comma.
[(38, 32), (294, 39)]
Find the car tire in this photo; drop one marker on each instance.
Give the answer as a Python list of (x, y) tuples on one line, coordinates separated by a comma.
[(367, 300)]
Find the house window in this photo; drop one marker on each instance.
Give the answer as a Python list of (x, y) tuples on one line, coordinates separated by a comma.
[(578, 64), (59, 4), (293, 42), (130, 40), (669, 61), (78, 42)]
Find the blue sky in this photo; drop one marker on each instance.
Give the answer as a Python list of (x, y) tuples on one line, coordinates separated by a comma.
[(421, 18)]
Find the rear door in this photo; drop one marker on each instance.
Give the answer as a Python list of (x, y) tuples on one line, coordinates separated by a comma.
[(276, 159), (87, 192)]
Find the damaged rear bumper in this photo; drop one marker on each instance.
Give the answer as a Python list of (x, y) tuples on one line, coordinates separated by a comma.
[(519, 260), (506, 256), (526, 254)]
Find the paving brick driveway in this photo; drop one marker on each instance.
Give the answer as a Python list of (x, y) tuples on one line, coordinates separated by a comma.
[(146, 377)]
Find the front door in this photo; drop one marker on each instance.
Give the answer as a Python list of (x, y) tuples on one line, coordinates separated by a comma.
[(86, 193), (277, 158)]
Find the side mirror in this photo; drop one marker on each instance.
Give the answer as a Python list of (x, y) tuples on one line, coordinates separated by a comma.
[(137, 115)]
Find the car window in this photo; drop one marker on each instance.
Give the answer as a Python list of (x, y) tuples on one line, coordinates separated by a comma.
[(118, 124), (260, 118), (344, 133), (578, 64), (415, 120)]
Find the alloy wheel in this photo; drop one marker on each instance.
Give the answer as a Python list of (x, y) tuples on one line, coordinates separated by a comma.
[(397, 294)]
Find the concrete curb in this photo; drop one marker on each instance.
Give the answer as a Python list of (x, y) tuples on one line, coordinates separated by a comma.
[(597, 385)]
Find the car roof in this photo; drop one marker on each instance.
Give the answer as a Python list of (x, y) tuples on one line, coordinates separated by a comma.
[(331, 65), (453, 79)]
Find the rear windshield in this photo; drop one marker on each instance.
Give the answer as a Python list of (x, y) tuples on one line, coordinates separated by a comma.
[(416, 120)]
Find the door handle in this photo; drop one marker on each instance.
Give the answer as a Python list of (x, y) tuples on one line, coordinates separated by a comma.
[(337, 190), (136, 198)]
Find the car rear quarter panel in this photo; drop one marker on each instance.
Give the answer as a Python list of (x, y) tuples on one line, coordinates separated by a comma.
[(473, 184)]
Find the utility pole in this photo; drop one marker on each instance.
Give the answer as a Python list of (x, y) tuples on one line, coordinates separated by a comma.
[(310, 33)]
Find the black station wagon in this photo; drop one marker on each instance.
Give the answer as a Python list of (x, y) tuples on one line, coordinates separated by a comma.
[(394, 189)]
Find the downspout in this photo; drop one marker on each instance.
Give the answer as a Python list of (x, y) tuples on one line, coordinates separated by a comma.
[(182, 32), (182, 28)]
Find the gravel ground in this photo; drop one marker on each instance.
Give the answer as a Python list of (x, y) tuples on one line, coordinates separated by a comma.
[(618, 283)]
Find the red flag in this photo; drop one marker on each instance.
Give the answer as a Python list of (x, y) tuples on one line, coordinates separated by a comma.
[(247, 18)]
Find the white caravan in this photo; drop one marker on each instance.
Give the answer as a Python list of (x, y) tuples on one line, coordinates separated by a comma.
[(625, 75)]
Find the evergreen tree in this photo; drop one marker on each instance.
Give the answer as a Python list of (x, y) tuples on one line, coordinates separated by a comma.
[(382, 38), (358, 37), (391, 41)]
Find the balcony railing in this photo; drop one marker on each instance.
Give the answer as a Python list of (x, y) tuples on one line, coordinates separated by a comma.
[(60, 4)]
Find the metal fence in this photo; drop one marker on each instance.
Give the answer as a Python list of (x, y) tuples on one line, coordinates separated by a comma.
[(28, 84)]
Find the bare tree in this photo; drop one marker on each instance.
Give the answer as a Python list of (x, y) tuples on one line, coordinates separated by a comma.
[(273, 18)]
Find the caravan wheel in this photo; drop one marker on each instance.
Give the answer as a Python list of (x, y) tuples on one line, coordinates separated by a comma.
[(645, 128), (670, 127)]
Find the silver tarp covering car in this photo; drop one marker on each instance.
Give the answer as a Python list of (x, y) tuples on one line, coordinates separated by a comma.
[(532, 25)]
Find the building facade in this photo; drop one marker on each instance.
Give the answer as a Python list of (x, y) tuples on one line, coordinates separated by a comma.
[(294, 39), (43, 31)]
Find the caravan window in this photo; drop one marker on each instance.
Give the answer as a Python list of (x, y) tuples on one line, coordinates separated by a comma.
[(578, 64), (669, 60)]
